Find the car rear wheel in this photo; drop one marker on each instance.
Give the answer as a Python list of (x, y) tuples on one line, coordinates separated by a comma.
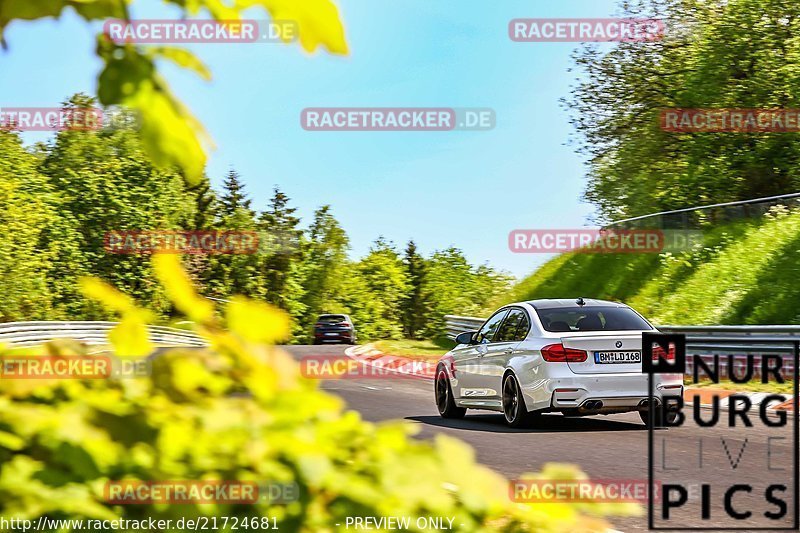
[(514, 410), (445, 402), (659, 418)]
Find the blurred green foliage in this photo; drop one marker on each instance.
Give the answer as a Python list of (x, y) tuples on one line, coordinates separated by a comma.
[(170, 135), (239, 411)]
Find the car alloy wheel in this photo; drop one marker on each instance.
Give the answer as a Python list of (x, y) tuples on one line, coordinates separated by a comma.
[(513, 404), (441, 391), (444, 397)]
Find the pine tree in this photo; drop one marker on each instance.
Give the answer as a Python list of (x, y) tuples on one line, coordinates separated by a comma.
[(234, 196), (415, 305), (231, 274), (280, 234), (280, 218)]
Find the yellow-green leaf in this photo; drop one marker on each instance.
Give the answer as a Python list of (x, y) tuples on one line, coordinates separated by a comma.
[(107, 295), (130, 338), (170, 134), (183, 58), (317, 21), (257, 321), (11, 441), (180, 290)]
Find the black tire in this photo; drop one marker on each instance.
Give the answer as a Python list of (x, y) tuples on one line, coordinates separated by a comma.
[(443, 394), (659, 422), (514, 410)]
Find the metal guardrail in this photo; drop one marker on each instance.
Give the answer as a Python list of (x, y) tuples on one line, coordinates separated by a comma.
[(689, 216), (21, 334), (454, 324), (705, 341)]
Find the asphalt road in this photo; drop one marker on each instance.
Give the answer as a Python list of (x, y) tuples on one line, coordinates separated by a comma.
[(605, 447)]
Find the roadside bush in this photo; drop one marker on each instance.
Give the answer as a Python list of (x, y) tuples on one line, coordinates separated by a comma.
[(237, 411)]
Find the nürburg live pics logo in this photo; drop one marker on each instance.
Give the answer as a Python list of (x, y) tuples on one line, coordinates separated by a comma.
[(722, 461)]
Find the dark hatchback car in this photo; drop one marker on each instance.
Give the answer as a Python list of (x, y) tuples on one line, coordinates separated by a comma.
[(334, 328)]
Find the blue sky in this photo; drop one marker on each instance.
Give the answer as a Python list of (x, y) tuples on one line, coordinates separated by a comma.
[(462, 188)]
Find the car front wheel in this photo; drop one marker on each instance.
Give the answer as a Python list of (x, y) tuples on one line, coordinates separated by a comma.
[(445, 402)]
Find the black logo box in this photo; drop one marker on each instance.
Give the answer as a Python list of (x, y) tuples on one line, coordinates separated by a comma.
[(677, 343)]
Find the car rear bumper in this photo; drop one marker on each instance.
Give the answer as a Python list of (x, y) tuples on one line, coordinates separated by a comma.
[(617, 392), (338, 336)]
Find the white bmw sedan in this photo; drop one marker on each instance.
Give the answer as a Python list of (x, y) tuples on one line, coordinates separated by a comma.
[(578, 357)]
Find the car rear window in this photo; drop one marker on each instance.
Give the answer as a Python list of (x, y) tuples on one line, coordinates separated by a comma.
[(331, 318), (566, 319)]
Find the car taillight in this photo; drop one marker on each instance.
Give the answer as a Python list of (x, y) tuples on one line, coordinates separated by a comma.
[(658, 353), (556, 353), (345, 324)]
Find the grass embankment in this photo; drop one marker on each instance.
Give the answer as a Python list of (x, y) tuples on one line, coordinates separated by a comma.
[(745, 272), (417, 349)]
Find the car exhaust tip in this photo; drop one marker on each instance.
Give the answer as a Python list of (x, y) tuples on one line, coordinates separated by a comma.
[(592, 405)]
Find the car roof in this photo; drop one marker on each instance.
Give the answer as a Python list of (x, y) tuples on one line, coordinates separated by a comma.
[(555, 303)]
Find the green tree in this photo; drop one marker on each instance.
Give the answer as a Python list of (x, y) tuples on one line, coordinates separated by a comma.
[(104, 182), (279, 249), (27, 213), (324, 259), (456, 287), (715, 54), (236, 273), (416, 303), (205, 217), (206, 204), (234, 197), (385, 282)]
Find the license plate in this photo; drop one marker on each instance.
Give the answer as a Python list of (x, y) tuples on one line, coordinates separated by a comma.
[(617, 357), (331, 334)]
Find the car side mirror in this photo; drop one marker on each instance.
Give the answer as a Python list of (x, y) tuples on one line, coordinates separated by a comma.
[(466, 337)]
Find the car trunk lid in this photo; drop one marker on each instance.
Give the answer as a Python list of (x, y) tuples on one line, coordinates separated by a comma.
[(606, 352)]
